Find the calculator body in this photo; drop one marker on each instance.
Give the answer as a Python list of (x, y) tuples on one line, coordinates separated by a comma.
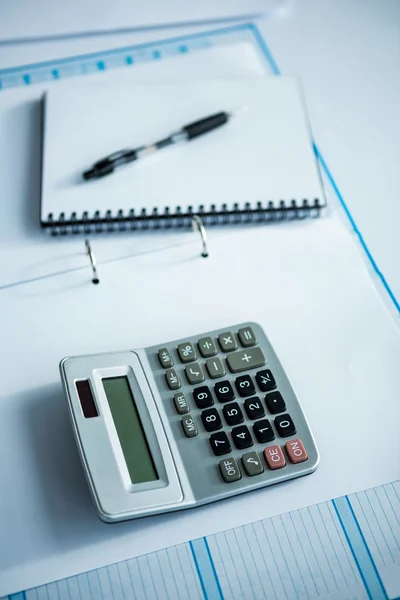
[(185, 423)]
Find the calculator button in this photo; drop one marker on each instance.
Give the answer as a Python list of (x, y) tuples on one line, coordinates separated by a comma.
[(202, 397), (174, 383), (215, 368), (254, 408), (265, 380), (211, 419), (285, 425), (241, 437), (207, 347), (263, 431), (194, 373), (252, 464), (275, 403), (181, 404), (227, 341), (247, 337), (296, 451), (245, 386), (224, 392), (219, 443), (186, 352), (274, 457), (165, 358), (243, 360), (229, 470), (189, 426), (233, 414)]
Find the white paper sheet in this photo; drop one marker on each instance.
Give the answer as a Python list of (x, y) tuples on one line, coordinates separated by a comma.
[(306, 284)]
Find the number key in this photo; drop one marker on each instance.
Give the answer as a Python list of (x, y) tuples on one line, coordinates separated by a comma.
[(233, 414), (219, 443), (242, 437), (202, 397), (254, 408), (285, 425), (211, 419), (263, 431), (245, 386), (223, 391)]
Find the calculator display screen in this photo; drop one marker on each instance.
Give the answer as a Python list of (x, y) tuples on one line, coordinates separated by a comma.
[(130, 430)]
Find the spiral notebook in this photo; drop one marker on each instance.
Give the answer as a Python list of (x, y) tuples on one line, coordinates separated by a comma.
[(259, 167)]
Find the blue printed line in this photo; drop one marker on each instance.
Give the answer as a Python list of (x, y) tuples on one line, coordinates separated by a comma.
[(275, 69), (103, 55), (18, 596), (206, 569), (359, 549)]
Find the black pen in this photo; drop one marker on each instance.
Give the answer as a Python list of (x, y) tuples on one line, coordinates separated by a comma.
[(107, 165)]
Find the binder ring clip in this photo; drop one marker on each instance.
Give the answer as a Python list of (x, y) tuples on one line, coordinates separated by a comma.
[(92, 258), (197, 225)]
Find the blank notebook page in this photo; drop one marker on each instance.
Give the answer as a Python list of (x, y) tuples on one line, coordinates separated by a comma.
[(263, 154)]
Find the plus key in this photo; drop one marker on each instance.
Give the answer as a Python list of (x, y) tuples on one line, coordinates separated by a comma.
[(244, 360)]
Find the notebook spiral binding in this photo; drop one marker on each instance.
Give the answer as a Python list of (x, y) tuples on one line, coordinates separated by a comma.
[(132, 221)]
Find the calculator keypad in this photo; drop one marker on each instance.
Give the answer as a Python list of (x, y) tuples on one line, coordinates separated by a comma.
[(241, 408)]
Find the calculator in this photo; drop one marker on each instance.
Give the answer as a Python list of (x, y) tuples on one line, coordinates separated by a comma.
[(185, 423)]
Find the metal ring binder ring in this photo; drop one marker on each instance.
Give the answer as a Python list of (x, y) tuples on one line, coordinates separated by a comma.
[(92, 258), (197, 225)]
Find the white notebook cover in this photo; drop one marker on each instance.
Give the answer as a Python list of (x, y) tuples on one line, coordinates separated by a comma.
[(264, 154)]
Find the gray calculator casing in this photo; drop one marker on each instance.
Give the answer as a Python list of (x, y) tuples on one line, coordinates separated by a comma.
[(188, 470)]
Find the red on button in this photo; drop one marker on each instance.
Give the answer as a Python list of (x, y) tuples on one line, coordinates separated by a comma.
[(296, 451), (274, 457)]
